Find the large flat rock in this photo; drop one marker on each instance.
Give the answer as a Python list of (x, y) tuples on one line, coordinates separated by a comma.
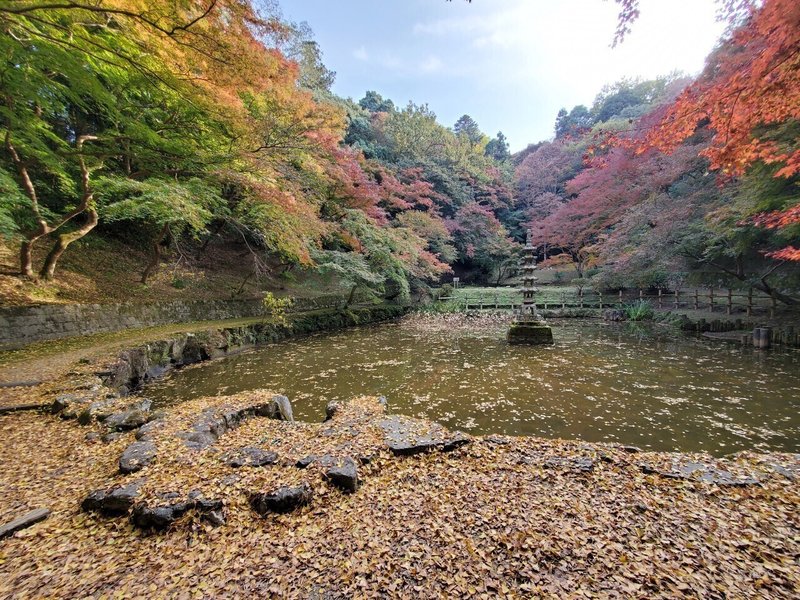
[(406, 436)]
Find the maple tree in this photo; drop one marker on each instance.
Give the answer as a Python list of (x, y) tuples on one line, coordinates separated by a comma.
[(748, 95)]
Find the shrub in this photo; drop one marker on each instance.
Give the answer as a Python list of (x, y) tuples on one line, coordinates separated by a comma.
[(437, 308), (275, 307), (446, 291), (640, 310)]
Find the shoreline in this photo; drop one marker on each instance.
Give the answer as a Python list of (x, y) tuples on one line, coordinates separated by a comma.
[(432, 514)]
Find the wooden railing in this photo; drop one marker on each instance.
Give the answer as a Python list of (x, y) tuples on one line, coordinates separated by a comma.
[(710, 299)]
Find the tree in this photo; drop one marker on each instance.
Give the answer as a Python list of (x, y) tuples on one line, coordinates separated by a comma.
[(574, 123), (466, 127), (350, 267), (374, 102), (480, 238), (497, 148), (748, 95), (167, 207), (87, 82)]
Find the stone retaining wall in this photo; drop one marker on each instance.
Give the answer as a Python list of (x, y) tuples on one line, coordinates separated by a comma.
[(151, 360), (25, 324)]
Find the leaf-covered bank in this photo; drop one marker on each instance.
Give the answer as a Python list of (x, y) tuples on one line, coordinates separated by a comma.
[(497, 517)]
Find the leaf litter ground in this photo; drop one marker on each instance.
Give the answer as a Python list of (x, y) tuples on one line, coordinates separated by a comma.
[(499, 517)]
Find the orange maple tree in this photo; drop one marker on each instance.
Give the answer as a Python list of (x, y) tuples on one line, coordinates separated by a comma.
[(749, 95)]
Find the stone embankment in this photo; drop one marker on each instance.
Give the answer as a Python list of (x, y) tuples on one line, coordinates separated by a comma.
[(20, 325), (96, 384)]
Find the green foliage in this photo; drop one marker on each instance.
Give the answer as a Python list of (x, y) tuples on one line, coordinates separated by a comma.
[(276, 308), (12, 203), (374, 102), (183, 205), (446, 291), (639, 310), (441, 308), (351, 268), (497, 148)]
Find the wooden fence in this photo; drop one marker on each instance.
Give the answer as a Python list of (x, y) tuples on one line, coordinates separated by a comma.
[(711, 299)]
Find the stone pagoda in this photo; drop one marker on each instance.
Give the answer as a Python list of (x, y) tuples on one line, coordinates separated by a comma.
[(528, 327)]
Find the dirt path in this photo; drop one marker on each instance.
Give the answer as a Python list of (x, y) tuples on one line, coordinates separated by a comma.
[(43, 361)]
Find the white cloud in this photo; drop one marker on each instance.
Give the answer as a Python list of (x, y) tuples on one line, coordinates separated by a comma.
[(432, 64), (361, 54)]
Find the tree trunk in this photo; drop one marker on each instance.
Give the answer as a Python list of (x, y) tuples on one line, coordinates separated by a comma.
[(42, 226), (351, 296), (773, 293), (64, 240), (760, 285), (155, 257), (26, 259)]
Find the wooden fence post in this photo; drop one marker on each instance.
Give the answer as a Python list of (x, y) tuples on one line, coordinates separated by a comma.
[(600, 299), (580, 297), (659, 298), (750, 302), (641, 295), (677, 299), (563, 301), (711, 299), (730, 301), (696, 302), (620, 297)]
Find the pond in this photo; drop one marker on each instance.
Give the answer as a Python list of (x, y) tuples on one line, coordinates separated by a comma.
[(599, 382)]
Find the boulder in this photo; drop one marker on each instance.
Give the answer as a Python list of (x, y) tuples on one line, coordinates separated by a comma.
[(114, 501), (127, 420), (282, 500), (278, 407), (137, 456), (215, 421), (171, 506), (344, 475), (148, 430), (305, 461), (331, 409), (702, 472), (71, 405), (406, 436), (99, 409), (251, 457), (24, 521), (614, 314)]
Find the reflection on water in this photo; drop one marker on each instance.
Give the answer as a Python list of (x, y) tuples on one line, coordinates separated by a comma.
[(598, 383)]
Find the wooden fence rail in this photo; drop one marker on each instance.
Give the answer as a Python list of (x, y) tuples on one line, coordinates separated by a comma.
[(710, 299)]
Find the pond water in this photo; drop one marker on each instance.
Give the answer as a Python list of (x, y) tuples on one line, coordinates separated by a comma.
[(597, 383)]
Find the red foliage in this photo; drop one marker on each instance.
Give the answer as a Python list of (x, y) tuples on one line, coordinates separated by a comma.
[(779, 218), (753, 81)]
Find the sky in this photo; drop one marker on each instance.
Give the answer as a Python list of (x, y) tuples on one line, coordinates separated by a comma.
[(509, 64)]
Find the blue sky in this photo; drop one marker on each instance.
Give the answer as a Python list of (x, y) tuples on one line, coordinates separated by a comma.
[(510, 64)]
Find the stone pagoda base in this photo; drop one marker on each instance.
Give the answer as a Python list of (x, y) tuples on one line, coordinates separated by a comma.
[(530, 333)]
